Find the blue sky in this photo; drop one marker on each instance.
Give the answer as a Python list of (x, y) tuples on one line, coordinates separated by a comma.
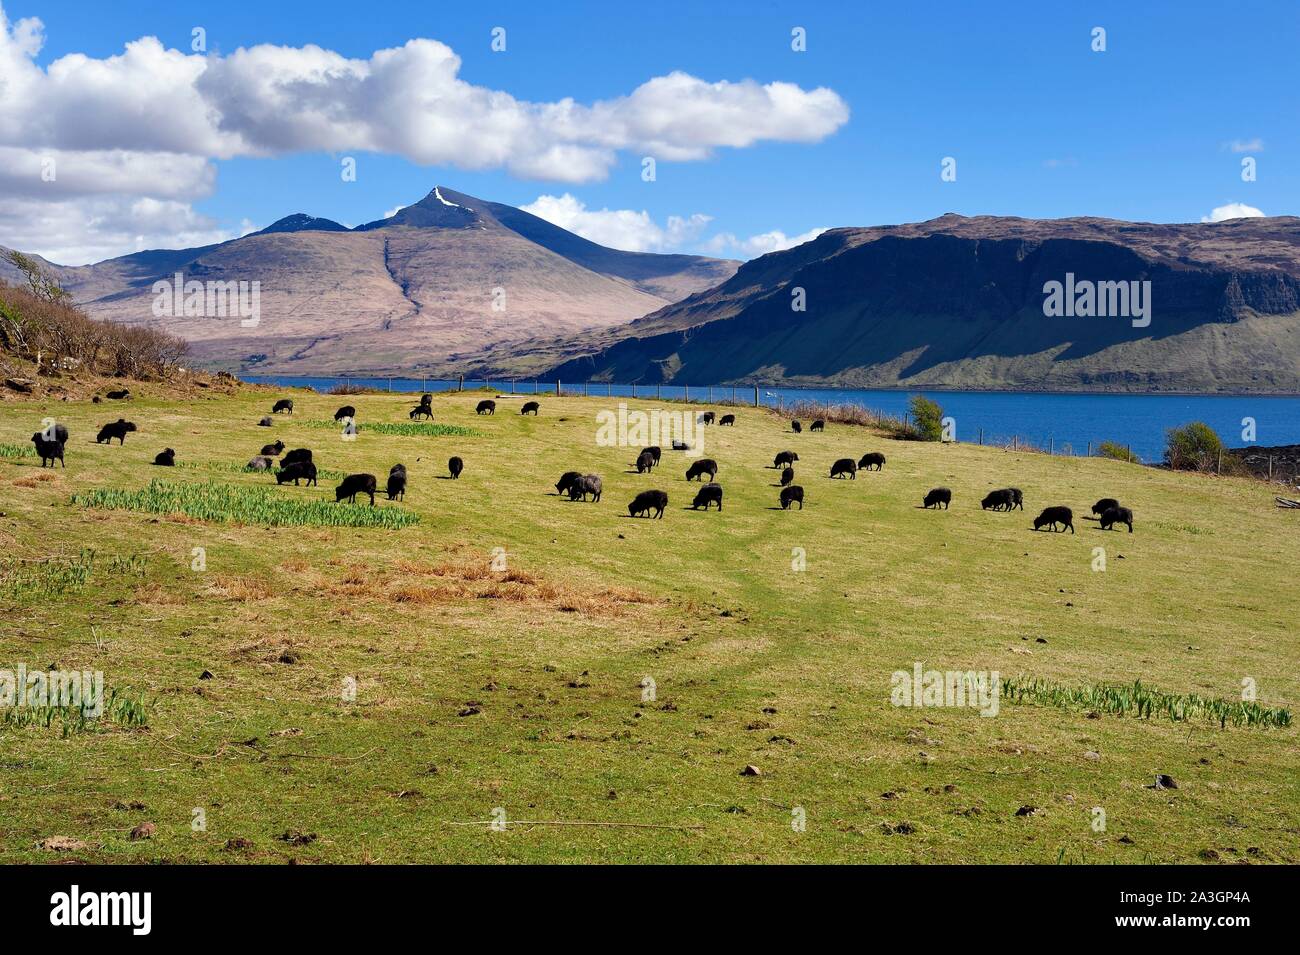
[(1039, 123)]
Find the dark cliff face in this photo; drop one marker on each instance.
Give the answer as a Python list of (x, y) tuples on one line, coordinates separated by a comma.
[(963, 306)]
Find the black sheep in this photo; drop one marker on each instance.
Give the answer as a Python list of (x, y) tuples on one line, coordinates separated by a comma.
[(1104, 505), (297, 454), (295, 472), (818, 425), (355, 484), (790, 495), (454, 466), (1017, 498), (654, 451), (273, 450), (708, 417), (644, 462), (530, 407), (727, 419), (1052, 516), (936, 496), (584, 485), (284, 404), (999, 500), (397, 482), (844, 466), (1117, 515), (260, 463), (347, 411), (708, 494), (787, 476), (648, 501), (426, 399), (701, 467), (784, 458), (486, 406), (265, 422), (165, 458), (796, 427), (872, 460), (49, 450), (566, 481), (119, 395), (114, 429), (421, 410)]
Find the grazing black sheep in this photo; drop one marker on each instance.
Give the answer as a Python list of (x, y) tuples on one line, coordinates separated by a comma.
[(701, 467), (796, 427), (784, 458), (49, 450), (530, 407), (644, 462), (486, 406), (680, 445), (1104, 505), (872, 460), (260, 463), (119, 395), (96, 400), (654, 451), (584, 485), (355, 484), (284, 404), (818, 425), (166, 458), (421, 411), (114, 429), (266, 422), (347, 411), (999, 500), (648, 501), (936, 496), (1117, 515), (708, 417), (790, 495), (566, 481), (727, 419), (708, 494), (454, 466), (1052, 516), (397, 482), (273, 450), (297, 454), (1017, 498), (787, 476), (295, 472), (844, 466)]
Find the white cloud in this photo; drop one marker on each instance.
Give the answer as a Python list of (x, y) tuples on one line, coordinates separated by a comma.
[(148, 122), (726, 243), (618, 228), (1233, 210), (1255, 145)]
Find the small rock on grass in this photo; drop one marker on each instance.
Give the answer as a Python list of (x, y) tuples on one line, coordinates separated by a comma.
[(751, 770), (63, 844), (145, 830)]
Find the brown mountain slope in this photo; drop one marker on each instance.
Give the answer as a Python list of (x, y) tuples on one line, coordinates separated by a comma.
[(420, 291), (958, 303)]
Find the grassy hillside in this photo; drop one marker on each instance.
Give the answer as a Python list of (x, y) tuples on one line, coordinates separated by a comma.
[(522, 689)]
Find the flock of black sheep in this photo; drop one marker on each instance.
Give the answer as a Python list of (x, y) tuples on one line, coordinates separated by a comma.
[(297, 466)]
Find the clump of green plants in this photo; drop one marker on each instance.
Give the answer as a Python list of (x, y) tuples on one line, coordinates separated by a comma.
[(1144, 702), (46, 577), (17, 451), (927, 418), (242, 504), (122, 708), (1197, 447), (1117, 452), (409, 429)]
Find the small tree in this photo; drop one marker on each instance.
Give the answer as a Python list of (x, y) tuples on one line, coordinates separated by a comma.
[(1119, 452), (42, 285), (928, 417), (1193, 447)]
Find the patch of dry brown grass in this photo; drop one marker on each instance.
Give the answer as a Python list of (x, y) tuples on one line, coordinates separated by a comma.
[(241, 588)]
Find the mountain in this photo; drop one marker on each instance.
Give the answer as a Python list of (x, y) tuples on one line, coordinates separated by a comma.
[(958, 302), (423, 291)]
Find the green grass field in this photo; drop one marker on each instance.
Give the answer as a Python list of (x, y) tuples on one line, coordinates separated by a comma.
[(520, 689)]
